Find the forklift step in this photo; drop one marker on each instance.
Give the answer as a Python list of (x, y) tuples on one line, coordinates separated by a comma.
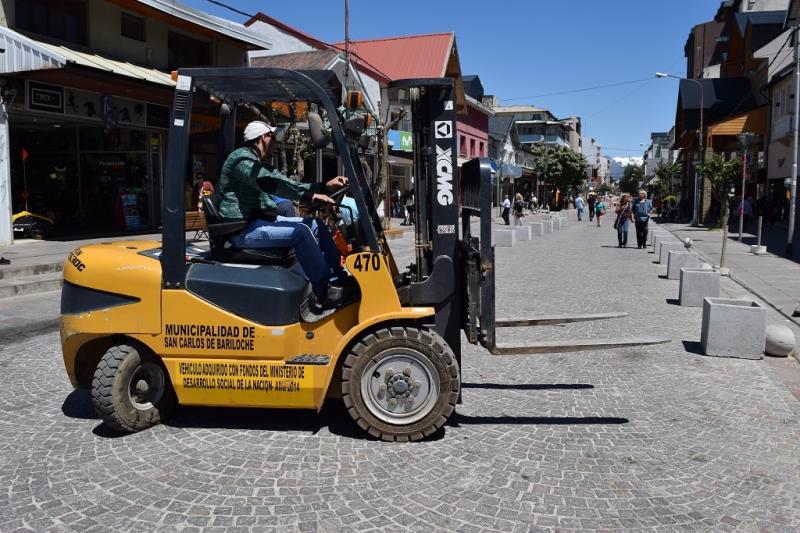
[(576, 345), (549, 320)]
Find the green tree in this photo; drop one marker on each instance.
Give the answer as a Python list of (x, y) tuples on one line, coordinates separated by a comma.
[(560, 166), (666, 173), (631, 179), (604, 188), (721, 172)]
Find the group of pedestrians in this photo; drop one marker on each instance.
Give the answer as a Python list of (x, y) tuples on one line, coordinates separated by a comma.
[(626, 211), (636, 211)]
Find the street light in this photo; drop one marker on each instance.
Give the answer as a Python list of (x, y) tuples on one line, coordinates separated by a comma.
[(701, 144), (746, 138)]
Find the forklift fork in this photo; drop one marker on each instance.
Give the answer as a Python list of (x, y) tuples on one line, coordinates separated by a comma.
[(477, 253)]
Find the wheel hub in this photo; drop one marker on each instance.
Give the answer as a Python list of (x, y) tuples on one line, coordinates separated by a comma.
[(400, 397), (146, 386)]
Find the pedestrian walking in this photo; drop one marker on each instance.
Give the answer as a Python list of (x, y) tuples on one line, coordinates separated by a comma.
[(641, 216), (409, 220), (745, 211), (599, 211), (506, 209), (622, 223), (519, 205), (579, 206), (591, 202)]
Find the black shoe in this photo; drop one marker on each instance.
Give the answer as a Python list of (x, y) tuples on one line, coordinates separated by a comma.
[(4, 261)]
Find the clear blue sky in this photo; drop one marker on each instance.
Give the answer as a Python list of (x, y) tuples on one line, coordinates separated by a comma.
[(527, 48)]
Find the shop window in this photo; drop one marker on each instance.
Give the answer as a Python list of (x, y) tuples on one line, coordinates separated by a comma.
[(481, 153), (64, 20), (132, 27), (462, 148), (472, 148), (185, 52)]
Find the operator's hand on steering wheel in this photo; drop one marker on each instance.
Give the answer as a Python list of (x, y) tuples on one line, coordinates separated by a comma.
[(323, 199), (339, 182)]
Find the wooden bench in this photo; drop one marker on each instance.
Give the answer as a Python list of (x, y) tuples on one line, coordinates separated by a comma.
[(196, 221)]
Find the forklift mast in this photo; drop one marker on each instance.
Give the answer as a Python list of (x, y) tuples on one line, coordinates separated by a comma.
[(437, 269)]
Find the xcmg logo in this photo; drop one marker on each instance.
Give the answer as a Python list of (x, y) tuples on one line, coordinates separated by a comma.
[(444, 175)]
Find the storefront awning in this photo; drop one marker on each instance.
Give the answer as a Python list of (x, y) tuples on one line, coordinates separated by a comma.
[(25, 54), (754, 121)]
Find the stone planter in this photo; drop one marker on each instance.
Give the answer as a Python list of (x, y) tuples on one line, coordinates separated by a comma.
[(537, 229), (556, 223), (697, 284), (664, 249), (678, 260), (733, 328), (523, 233), (505, 237)]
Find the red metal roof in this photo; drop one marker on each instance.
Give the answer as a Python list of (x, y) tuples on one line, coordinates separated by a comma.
[(414, 56)]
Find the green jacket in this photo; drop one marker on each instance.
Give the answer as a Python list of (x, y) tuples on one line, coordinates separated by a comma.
[(248, 187)]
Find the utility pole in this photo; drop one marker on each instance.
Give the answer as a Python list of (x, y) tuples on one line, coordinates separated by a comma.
[(796, 119)]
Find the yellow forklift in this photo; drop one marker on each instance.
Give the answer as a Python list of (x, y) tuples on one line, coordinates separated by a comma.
[(148, 325)]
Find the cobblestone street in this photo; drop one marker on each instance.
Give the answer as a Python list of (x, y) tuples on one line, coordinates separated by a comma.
[(657, 438)]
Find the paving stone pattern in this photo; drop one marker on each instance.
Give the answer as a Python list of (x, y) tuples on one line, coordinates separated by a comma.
[(656, 439)]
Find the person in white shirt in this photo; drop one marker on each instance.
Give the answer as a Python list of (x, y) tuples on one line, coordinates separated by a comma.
[(506, 210)]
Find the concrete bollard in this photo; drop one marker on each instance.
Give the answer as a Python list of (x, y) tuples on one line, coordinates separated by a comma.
[(697, 284), (655, 233), (505, 237), (537, 229), (678, 260), (523, 233), (548, 226), (661, 238), (664, 249), (556, 223), (733, 328)]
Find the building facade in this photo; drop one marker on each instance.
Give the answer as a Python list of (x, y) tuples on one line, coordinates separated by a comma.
[(87, 107)]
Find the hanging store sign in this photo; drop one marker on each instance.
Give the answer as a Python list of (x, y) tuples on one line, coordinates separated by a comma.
[(401, 141), (45, 97), (88, 105)]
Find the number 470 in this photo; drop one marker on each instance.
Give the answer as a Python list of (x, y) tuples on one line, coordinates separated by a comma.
[(367, 262)]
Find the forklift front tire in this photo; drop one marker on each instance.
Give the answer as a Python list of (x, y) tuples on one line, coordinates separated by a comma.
[(400, 384), (131, 391)]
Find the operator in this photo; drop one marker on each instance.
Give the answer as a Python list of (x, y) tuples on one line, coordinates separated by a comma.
[(249, 186)]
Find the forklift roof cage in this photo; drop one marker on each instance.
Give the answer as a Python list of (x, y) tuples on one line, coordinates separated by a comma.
[(247, 85)]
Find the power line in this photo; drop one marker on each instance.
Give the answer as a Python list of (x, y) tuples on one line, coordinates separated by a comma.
[(230, 8), (584, 89)]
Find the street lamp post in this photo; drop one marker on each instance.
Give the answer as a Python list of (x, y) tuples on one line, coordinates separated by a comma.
[(701, 145), (745, 139)]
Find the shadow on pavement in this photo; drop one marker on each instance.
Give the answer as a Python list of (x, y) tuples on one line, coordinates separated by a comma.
[(527, 386), (458, 419), (673, 301), (79, 405), (694, 347), (333, 415)]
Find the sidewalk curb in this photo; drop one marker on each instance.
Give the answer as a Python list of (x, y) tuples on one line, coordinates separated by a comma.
[(16, 334), (741, 283)]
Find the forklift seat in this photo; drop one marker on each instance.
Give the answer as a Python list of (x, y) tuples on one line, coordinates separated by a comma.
[(221, 230)]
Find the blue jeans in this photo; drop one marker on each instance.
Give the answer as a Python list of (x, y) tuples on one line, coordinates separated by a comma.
[(580, 214), (312, 242), (622, 231)]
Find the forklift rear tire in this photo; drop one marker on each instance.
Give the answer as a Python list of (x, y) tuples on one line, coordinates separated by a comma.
[(131, 391), (400, 384)]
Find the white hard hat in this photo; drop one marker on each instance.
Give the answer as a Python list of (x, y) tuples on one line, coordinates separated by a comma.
[(256, 129)]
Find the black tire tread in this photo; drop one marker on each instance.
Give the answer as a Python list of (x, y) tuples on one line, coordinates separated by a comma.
[(103, 396)]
